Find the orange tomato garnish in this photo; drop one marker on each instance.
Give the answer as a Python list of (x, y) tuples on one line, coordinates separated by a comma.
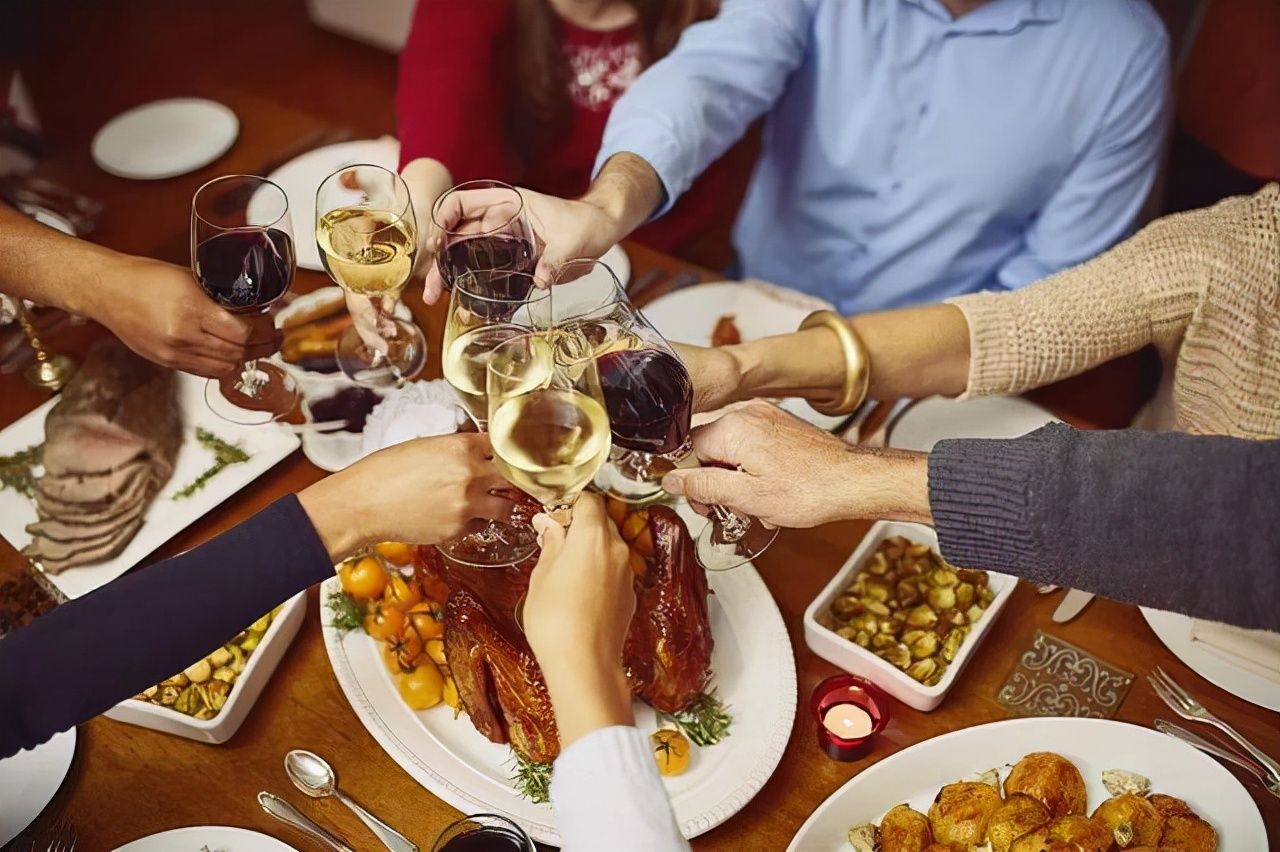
[(363, 578), (400, 593)]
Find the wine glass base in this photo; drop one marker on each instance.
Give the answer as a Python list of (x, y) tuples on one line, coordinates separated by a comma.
[(405, 357), (495, 545), (716, 554), (275, 394)]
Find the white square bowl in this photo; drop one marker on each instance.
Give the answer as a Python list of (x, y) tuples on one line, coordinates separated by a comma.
[(244, 692), (834, 648)]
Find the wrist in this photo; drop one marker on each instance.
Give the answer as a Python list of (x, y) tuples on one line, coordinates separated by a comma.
[(885, 485), (626, 192), (588, 697), (335, 519)]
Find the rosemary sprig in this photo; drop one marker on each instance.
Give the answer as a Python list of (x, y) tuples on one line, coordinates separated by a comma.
[(347, 612), (532, 780), (705, 721), (224, 455), (18, 470)]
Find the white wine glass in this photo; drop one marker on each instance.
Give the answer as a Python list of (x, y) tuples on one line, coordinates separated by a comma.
[(547, 421), (368, 241)]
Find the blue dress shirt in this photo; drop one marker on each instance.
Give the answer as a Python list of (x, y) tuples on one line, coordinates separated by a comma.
[(907, 156)]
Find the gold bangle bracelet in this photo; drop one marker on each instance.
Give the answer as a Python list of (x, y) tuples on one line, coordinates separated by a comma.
[(857, 364)]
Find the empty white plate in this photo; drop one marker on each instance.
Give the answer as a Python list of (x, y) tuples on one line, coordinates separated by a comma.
[(164, 139), (30, 779), (222, 838)]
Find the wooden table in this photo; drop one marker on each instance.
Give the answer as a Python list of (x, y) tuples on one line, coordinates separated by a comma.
[(285, 79)]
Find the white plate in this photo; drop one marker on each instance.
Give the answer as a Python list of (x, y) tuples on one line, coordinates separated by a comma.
[(30, 779), (759, 310), (616, 259), (754, 674), (219, 838), (165, 517), (929, 421), (914, 775), (1174, 630), (164, 139), (302, 176)]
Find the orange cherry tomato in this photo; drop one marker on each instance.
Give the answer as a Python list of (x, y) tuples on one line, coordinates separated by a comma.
[(395, 552), (634, 525), (383, 622), (408, 648), (638, 566), (617, 510), (400, 593), (421, 688), (363, 578), (425, 618)]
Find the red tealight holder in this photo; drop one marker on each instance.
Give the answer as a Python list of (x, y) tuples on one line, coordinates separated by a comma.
[(849, 712)]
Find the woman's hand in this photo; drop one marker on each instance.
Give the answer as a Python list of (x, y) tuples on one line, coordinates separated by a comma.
[(792, 474), (576, 617), (422, 491), (715, 372)]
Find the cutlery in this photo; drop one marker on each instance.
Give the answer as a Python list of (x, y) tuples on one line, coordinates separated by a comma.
[(1180, 733), (62, 837), (291, 816), (651, 277), (1073, 603), (1181, 702), (311, 774), (321, 427), (684, 279), (317, 138), (1046, 588)]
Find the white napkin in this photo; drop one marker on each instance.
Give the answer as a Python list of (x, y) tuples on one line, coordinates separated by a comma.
[(417, 410), (1256, 651)]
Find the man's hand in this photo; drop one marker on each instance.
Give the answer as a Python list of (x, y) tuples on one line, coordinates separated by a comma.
[(422, 491), (161, 313), (788, 473)]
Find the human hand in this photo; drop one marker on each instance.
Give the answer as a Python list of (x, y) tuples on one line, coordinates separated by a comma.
[(576, 616), (372, 321), (159, 311), (715, 373), (422, 491), (791, 474), (563, 229)]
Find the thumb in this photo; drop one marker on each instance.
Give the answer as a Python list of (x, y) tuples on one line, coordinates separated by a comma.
[(365, 318), (550, 537), (707, 484)]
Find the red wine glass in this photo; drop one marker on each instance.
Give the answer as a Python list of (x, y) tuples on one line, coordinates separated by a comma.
[(483, 833), (482, 226), (242, 256)]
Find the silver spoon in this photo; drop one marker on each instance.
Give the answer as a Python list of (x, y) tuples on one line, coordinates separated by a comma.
[(312, 775)]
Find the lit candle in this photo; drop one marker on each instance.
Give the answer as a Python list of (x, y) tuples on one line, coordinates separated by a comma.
[(849, 712), (848, 721)]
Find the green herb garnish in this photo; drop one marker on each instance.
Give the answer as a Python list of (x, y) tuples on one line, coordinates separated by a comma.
[(705, 721), (17, 470), (532, 780), (347, 612), (224, 455)]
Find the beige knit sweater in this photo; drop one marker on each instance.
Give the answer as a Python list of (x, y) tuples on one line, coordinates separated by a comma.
[(1202, 286)]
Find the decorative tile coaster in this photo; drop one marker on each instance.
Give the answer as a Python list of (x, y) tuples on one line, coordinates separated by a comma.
[(1055, 678)]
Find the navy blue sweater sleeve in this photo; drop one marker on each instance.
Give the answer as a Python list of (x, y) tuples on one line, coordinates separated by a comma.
[(1163, 519), (61, 670)]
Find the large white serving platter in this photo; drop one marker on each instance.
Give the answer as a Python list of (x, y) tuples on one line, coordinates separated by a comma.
[(1174, 630), (754, 674), (222, 838), (759, 310), (166, 517), (915, 774)]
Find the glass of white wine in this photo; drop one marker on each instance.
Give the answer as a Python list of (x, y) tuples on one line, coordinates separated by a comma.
[(547, 420), (479, 321), (368, 241)]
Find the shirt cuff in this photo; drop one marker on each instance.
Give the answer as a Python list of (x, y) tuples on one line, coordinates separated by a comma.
[(607, 795), (995, 346), (981, 494), (657, 147)]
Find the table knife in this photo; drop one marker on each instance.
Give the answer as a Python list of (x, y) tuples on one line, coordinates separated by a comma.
[(1074, 601), (291, 816)]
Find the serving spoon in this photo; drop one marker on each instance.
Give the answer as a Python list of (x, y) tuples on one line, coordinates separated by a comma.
[(311, 774)]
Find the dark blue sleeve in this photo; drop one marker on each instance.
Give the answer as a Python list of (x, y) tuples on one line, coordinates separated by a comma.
[(93, 652)]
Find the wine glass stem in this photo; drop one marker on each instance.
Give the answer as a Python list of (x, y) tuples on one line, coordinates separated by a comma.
[(733, 527), (561, 512), (249, 384)]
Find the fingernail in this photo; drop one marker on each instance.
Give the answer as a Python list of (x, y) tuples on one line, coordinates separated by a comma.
[(673, 485)]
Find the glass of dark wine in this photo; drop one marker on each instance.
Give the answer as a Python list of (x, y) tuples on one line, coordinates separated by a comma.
[(477, 324), (368, 239), (649, 397), (483, 833), (482, 226), (243, 258)]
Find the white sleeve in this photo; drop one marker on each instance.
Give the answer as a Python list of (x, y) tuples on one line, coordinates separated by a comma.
[(607, 794)]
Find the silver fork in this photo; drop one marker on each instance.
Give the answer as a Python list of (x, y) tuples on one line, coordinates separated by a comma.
[(62, 836), (1181, 702), (1197, 741)]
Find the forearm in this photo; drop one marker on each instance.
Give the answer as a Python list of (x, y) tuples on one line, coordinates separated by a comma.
[(1168, 520), (586, 694), (882, 484), (913, 352), (427, 179), (49, 267), (628, 190), (147, 626)]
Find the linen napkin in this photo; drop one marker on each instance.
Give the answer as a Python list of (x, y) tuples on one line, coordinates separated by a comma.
[(1256, 651), (417, 410)]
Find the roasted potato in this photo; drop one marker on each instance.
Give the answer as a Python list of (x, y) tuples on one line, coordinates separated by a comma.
[(1078, 833), (1132, 819), (1019, 815), (905, 830), (960, 813), (1189, 833), (1052, 780), (1168, 806)]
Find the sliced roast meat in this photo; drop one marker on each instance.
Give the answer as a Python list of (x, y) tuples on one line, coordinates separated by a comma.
[(65, 531), (58, 556), (90, 445), (102, 487), (139, 488)]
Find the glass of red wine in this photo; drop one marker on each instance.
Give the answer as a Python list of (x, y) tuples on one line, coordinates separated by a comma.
[(243, 258), (483, 833), (482, 226), (649, 396)]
